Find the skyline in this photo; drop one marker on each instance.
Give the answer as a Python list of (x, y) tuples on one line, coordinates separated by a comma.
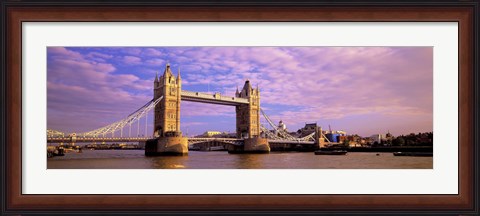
[(361, 90)]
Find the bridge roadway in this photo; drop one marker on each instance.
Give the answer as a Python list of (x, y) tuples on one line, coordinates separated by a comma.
[(191, 140), (216, 98), (127, 139), (97, 139)]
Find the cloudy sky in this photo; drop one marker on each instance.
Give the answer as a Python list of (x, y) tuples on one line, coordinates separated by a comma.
[(362, 90)]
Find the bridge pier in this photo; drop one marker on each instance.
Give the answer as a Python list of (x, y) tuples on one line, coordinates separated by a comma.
[(319, 140), (176, 146), (251, 145), (257, 145)]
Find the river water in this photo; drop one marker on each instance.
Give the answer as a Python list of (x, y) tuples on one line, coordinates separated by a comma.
[(135, 159)]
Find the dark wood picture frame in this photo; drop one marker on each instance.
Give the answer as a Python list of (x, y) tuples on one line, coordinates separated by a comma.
[(13, 13)]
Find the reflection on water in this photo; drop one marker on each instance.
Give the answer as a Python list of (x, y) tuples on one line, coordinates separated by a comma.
[(135, 159)]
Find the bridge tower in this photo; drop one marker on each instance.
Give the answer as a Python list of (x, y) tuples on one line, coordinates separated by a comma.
[(167, 111), (248, 120), (248, 115), (169, 140)]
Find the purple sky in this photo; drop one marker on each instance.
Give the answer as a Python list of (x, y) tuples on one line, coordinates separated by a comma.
[(362, 90)]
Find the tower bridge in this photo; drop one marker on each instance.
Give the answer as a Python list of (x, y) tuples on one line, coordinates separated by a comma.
[(167, 139)]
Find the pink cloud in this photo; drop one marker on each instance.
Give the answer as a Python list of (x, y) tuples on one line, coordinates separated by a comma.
[(153, 52), (156, 62), (62, 52), (89, 92), (98, 55), (132, 60)]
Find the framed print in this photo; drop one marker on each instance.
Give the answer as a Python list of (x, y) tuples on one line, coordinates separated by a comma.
[(265, 107)]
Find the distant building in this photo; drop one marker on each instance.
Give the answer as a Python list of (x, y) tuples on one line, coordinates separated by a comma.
[(225, 135), (210, 133), (388, 138), (367, 141), (281, 126), (336, 136), (217, 134), (307, 129), (388, 135), (376, 138), (354, 140)]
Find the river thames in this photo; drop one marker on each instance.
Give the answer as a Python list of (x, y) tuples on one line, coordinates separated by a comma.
[(135, 159)]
